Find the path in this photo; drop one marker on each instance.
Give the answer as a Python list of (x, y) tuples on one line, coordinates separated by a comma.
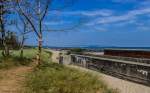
[(12, 80), (123, 85), (55, 55)]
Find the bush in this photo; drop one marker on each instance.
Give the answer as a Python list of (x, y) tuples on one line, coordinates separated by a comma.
[(77, 50), (55, 78)]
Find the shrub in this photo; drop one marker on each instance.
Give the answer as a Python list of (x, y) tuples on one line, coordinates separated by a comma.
[(77, 50)]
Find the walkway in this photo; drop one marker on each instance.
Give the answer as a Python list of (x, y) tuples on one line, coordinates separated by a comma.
[(12, 80), (123, 85)]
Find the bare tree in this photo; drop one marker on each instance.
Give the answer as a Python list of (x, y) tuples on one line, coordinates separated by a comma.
[(23, 30), (4, 11), (35, 12)]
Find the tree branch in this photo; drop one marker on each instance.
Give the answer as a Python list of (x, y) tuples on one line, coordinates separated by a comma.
[(21, 11), (46, 10)]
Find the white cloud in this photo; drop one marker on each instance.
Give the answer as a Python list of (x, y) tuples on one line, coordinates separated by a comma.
[(95, 13), (143, 28), (92, 13), (128, 22), (105, 17), (129, 1), (102, 29), (144, 3), (57, 22), (125, 17)]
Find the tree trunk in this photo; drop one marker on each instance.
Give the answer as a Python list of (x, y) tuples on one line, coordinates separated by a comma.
[(21, 53), (39, 50), (2, 25), (6, 49), (22, 47)]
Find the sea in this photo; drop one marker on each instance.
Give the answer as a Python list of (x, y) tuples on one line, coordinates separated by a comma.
[(100, 49)]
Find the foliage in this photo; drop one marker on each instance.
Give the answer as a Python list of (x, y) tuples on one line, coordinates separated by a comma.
[(55, 78), (77, 50), (5, 21), (11, 40)]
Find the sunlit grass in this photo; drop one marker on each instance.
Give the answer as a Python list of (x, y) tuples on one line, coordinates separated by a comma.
[(28, 53), (55, 78), (15, 60), (31, 53)]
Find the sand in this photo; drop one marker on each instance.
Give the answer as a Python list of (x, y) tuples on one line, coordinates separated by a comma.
[(55, 56)]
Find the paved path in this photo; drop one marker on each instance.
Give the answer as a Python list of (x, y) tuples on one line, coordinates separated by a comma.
[(122, 85), (55, 55)]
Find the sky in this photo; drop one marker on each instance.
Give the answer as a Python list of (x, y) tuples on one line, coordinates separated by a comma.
[(122, 23)]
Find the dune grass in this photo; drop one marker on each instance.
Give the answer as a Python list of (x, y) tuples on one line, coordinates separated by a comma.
[(55, 78), (32, 52)]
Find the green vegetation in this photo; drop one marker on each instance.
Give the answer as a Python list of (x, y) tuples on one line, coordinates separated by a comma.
[(55, 78), (15, 60), (9, 62), (77, 50), (50, 77), (31, 54)]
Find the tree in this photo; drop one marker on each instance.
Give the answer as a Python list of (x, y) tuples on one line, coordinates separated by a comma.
[(22, 31), (1, 44), (6, 10), (35, 12), (12, 40)]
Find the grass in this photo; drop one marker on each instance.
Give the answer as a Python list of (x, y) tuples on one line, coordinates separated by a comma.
[(55, 78), (11, 61), (31, 54), (15, 60), (28, 53)]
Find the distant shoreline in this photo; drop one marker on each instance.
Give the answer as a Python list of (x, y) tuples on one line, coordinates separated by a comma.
[(92, 48)]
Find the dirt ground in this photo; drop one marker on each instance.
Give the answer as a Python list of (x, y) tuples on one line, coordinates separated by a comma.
[(12, 80)]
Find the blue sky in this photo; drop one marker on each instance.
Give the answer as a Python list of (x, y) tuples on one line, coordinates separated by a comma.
[(124, 23)]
